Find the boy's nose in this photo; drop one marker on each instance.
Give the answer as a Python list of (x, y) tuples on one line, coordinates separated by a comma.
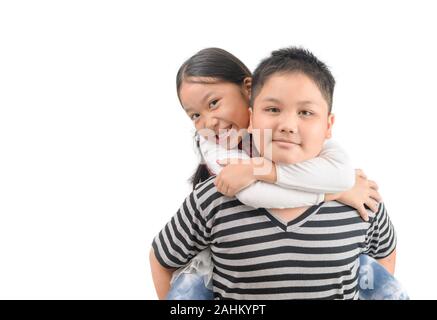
[(288, 123)]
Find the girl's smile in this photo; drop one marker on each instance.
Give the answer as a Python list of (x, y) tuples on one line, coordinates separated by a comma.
[(220, 107)]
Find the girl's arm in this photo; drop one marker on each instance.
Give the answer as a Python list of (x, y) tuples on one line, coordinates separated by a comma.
[(250, 181), (259, 194), (270, 196), (240, 180), (330, 172), (212, 152)]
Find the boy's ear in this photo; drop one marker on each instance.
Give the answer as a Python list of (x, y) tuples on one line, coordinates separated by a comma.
[(331, 120), (247, 84), (249, 128)]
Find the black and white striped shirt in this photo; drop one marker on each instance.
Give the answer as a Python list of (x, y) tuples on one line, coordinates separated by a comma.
[(257, 256)]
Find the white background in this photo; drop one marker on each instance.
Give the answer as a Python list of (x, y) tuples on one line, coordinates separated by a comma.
[(95, 151)]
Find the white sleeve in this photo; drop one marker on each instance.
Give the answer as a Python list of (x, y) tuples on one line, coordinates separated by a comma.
[(330, 172), (211, 152), (259, 194), (265, 195)]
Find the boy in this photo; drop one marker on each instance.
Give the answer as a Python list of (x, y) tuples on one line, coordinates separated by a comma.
[(301, 253)]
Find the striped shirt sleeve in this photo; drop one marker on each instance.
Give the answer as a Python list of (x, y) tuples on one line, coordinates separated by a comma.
[(184, 236), (381, 235)]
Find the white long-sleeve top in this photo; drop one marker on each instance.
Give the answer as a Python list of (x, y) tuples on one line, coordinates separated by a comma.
[(297, 185)]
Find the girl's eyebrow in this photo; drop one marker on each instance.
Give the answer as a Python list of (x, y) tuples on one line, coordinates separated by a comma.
[(206, 96)]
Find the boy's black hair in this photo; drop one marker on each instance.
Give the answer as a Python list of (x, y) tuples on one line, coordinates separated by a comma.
[(294, 60), (213, 65)]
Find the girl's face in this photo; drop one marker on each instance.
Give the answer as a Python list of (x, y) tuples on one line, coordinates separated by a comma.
[(221, 107)]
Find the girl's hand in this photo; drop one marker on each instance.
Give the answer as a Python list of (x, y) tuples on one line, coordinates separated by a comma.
[(364, 192), (235, 176)]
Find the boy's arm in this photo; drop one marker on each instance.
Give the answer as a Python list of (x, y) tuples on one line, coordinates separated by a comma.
[(161, 276), (389, 262), (381, 239), (181, 239), (330, 172)]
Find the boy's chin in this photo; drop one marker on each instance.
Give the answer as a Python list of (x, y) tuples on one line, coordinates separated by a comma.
[(281, 158)]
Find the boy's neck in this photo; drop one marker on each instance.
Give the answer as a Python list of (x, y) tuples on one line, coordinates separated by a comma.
[(289, 214)]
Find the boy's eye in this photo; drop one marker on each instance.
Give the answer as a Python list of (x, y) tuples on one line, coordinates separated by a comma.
[(194, 116), (305, 113), (213, 103), (272, 109)]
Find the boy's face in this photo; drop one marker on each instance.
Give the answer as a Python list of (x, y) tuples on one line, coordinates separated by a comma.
[(292, 106)]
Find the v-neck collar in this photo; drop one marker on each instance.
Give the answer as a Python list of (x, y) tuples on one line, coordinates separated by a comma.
[(294, 222)]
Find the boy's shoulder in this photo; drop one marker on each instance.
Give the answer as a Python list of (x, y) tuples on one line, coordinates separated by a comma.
[(336, 207), (201, 186), (209, 199)]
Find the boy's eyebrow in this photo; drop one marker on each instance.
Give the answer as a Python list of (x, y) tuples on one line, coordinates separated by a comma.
[(305, 102), (271, 99), (277, 101)]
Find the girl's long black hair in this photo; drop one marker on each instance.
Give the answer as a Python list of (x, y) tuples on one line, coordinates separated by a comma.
[(216, 65)]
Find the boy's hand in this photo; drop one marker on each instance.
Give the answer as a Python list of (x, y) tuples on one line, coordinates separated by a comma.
[(235, 176), (364, 192)]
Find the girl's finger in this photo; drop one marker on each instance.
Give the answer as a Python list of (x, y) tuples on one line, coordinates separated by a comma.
[(225, 190), (372, 204), (224, 162), (373, 185), (219, 185), (361, 173), (363, 213), (375, 195)]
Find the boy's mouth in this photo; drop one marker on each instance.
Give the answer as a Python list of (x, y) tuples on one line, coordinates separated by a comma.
[(285, 143)]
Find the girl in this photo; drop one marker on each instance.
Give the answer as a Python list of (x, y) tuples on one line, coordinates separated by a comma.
[(214, 88)]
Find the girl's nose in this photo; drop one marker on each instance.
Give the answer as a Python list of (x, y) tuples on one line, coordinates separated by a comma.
[(211, 123)]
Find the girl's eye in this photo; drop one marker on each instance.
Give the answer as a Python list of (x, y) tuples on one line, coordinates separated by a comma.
[(194, 116), (305, 113), (272, 109), (213, 104)]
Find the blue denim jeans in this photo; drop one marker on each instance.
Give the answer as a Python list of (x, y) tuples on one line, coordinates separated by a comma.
[(374, 283)]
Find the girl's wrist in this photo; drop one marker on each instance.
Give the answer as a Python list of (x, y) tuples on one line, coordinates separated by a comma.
[(264, 170), (332, 196)]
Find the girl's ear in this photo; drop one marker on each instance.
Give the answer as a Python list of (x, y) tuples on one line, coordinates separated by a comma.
[(249, 128), (247, 85), (331, 119)]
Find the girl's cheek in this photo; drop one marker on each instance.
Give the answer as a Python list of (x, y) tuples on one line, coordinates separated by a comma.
[(198, 125)]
